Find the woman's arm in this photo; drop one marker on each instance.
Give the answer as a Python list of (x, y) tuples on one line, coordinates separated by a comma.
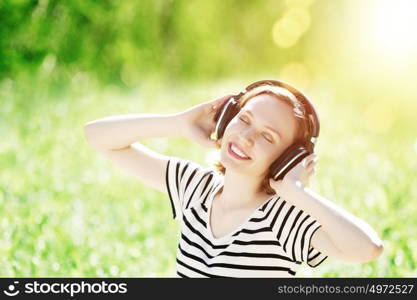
[(342, 234), (116, 137), (120, 131)]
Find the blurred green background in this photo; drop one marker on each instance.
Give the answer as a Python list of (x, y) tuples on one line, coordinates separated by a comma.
[(66, 211)]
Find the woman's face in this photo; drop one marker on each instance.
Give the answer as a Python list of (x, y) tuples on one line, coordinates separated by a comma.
[(262, 130)]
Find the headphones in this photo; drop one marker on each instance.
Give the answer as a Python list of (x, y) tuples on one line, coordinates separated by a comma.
[(297, 151)]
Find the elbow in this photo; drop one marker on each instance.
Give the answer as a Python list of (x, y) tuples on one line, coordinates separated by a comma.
[(374, 252), (89, 134), (377, 250)]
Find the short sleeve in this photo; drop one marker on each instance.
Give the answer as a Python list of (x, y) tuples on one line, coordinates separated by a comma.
[(186, 182), (294, 229)]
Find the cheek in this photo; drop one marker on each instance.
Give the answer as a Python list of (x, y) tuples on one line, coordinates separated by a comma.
[(232, 129), (233, 126), (265, 152), (270, 152)]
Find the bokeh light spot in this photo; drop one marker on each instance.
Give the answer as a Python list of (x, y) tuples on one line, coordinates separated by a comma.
[(296, 73), (287, 30)]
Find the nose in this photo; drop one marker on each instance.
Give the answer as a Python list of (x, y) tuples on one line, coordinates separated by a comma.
[(246, 138)]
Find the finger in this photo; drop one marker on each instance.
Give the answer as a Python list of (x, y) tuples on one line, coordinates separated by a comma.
[(217, 102), (311, 172), (312, 158), (211, 106), (305, 162), (311, 163), (311, 166)]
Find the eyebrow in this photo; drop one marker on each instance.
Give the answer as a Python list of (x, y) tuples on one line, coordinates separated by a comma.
[(266, 126)]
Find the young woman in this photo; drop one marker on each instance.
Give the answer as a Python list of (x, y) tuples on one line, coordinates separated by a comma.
[(236, 219)]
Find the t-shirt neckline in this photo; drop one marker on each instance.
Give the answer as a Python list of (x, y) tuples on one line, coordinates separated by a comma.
[(230, 234)]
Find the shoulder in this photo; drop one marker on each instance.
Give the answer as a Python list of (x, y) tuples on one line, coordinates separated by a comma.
[(189, 174)]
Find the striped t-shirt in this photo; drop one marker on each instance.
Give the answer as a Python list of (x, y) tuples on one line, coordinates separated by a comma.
[(272, 242)]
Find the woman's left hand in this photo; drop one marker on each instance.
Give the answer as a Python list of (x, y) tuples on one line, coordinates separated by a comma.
[(298, 175)]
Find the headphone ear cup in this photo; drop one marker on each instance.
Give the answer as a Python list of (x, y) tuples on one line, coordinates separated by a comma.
[(287, 160), (224, 115)]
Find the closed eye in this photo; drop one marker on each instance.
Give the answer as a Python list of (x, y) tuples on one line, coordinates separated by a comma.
[(243, 120), (265, 137)]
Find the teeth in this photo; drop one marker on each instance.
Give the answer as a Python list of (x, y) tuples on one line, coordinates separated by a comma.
[(238, 152)]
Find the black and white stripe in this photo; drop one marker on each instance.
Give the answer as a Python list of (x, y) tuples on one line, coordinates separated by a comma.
[(272, 243)]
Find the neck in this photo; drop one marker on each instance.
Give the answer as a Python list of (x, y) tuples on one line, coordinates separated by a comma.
[(241, 190)]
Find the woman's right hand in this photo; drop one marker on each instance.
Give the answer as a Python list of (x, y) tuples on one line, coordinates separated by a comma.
[(199, 121)]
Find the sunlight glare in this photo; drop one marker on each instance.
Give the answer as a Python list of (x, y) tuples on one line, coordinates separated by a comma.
[(394, 26)]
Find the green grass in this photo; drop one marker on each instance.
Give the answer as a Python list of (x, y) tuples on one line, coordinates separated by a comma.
[(65, 211)]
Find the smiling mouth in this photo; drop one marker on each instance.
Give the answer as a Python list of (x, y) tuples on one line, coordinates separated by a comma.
[(236, 153)]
